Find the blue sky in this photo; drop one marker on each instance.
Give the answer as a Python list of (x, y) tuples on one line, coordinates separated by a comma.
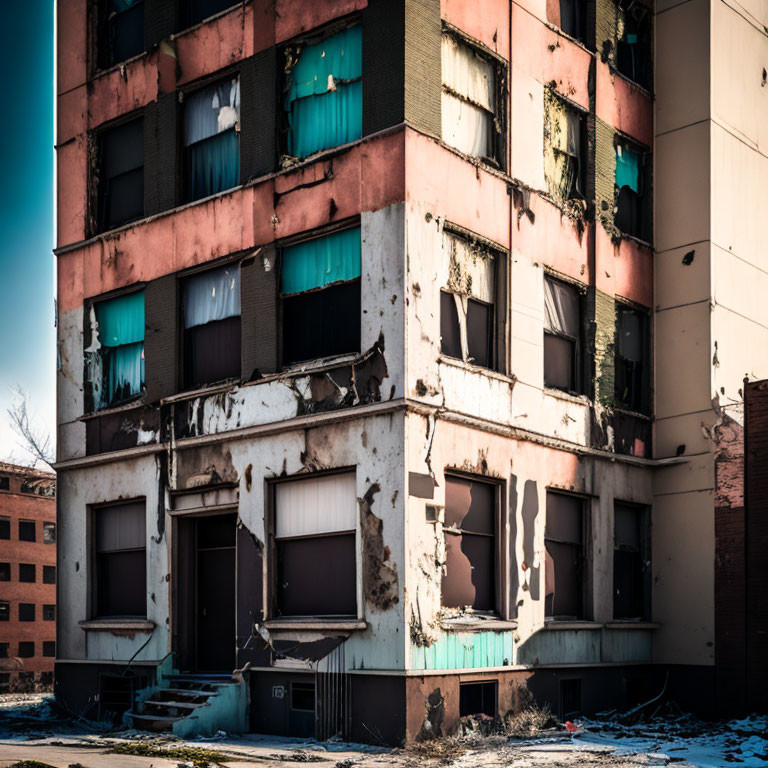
[(27, 335)]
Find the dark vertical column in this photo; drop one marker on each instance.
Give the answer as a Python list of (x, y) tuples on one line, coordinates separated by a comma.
[(259, 313), (161, 166), (160, 21), (259, 104), (161, 338)]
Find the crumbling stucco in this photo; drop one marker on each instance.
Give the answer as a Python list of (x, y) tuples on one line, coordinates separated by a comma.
[(379, 570)]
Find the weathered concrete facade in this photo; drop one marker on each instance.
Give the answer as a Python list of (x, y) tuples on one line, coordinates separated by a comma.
[(452, 224)]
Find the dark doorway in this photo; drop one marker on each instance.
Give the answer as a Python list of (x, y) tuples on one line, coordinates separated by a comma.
[(215, 582)]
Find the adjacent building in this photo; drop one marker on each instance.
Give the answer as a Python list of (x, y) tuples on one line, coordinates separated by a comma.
[(385, 395), (27, 578)]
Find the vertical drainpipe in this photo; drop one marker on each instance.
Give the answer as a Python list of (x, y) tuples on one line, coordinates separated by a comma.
[(510, 546)]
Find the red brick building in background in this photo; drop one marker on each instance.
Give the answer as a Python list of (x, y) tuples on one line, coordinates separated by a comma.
[(27, 577)]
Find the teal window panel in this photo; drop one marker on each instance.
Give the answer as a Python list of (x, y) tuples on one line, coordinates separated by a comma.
[(121, 320), (628, 169), (124, 371)]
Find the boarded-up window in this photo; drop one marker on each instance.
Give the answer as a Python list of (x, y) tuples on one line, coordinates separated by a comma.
[(565, 168), (631, 562), (315, 549), (467, 302), (121, 174), (632, 359), (469, 578), (633, 47), (320, 288), (562, 336), (565, 557), (323, 100), (120, 580), (212, 139), (121, 30), (631, 216), (211, 310), (27, 572), (195, 11), (470, 111), (27, 530)]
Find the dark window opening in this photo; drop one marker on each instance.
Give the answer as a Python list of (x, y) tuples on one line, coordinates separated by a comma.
[(5, 611), (633, 48), (470, 544), (5, 527), (26, 611), (570, 698), (569, 15), (27, 530), (121, 176), (565, 566), (49, 648), (4, 649), (211, 315), (562, 336), (5, 483), (320, 286), (631, 562), (49, 612), (632, 215), (120, 568), (478, 698), (26, 649), (632, 359), (49, 574), (121, 31), (115, 696), (5, 571), (27, 573), (49, 533), (303, 696), (46, 678), (196, 11)]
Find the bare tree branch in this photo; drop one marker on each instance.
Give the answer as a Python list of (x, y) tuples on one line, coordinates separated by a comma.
[(35, 440)]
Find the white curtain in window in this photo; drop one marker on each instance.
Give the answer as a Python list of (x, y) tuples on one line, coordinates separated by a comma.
[(561, 308), (316, 505), (121, 527), (468, 74), (211, 110), (212, 295), (475, 268)]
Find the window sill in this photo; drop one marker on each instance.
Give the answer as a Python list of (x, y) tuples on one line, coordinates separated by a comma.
[(475, 624), (128, 405), (561, 626), (345, 625), (568, 397), (454, 362), (630, 624), (118, 625), (637, 240)]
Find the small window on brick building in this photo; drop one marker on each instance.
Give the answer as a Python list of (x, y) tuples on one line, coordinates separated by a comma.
[(115, 366), (121, 174), (5, 611), (569, 15), (4, 650), (633, 48), (323, 100), (119, 576), (49, 648), (49, 612), (27, 530), (195, 11), (565, 149), (467, 302), (565, 560), (631, 562), (26, 611), (26, 649), (632, 359), (472, 119), (211, 314), (469, 577), (5, 483), (49, 574), (320, 287), (27, 572), (121, 30), (5, 571), (212, 138), (315, 546), (5, 527), (49, 533), (478, 698), (562, 336), (632, 215)]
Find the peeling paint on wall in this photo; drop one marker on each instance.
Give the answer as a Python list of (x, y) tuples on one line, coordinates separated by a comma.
[(379, 570)]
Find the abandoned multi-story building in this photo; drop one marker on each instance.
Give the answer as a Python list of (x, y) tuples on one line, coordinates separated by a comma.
[(27, 578), (402, 348)]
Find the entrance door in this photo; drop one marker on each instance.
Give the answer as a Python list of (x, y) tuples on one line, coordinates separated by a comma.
[(216, 593)]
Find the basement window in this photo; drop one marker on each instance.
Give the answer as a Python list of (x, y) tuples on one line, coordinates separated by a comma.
[(315, 546), (49, 612), (478, 698), (27, 573), (196, 11), (631, 217), (26, 649), (115, 356), (469, 577), (211, 309), (5, 611), (320, 289), (569, 15), (5, 527), (120, 30), (120, 578), (27, 530), (565, 559), (49, 533), (632, 359), (633, 47), (49, 574), (121, 174), (631, 562), (562, 336), (467, 317), (565, 149), (26, 611), (323, 89)]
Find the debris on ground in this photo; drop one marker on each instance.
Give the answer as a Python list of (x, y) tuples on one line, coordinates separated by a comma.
[(194, 757)]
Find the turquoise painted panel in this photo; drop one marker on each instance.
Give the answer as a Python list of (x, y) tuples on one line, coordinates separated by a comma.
[(628, 169), (322, 261), (466, 650), (121, 320)]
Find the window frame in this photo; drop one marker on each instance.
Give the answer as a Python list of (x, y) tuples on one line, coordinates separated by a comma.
[(49, 526), (624, 306), (645, 82), (49, 645), (5, 610), (645, 554), (186, 23), (32, 615), (49, 574), (27, 645), (100, 30), (25, 573), (5, 525), (44, 611), (645, 196), (578, 363), (34, 530), (580, 179)]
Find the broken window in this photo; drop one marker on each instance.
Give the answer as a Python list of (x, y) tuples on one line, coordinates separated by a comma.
[(27, 530), (469, 578), (26, 611), (49, 612), (49, 574), (49, 533), (569, 15), (115, 360), (631, 217), (212, 138), (565, 557), (5, 611), (5, 527), (121, 174), (5, 571), (26, 649), (324, 92), (467, 302), (49, 648), (631, 561), (27, 572), (478, 698), (632, 359), (565, 150), (562, 336), (320, 287), (633, 47), (211, 308), (471, 117), (315, 546), (120, 579), (196, 11), (121, 30)]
